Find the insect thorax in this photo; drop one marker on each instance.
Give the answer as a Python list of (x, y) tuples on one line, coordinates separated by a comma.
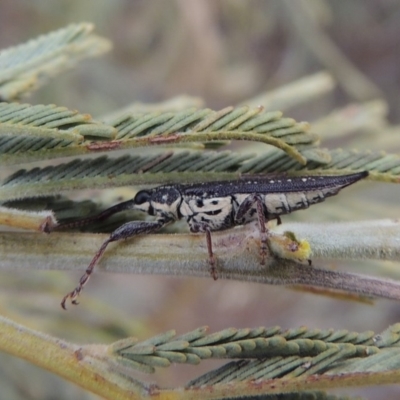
[(214, 212), (164, 202)]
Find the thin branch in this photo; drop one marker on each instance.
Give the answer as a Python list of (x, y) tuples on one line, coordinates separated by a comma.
[(237, 254), (307, 360), (66, 360), (354, 240)]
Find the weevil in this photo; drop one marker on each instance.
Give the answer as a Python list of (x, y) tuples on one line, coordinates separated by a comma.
[(214, 206)]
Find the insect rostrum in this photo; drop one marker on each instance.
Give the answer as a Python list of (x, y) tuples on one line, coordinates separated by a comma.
[(215, 206)]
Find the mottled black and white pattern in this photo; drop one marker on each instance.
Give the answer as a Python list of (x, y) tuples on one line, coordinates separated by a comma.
[(215, 206)]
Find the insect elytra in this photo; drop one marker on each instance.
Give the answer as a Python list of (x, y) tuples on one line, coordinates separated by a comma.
[(214, 206)]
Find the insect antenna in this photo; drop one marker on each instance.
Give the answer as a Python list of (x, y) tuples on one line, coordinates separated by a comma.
[(126, 205)]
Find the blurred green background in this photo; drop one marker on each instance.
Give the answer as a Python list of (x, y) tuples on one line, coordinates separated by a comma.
[(221, 52)]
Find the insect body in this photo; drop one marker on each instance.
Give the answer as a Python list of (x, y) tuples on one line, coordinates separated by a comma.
[(215, 206)]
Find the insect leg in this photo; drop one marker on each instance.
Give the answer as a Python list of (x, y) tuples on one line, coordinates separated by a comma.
[(211, 259), (246, 206), (203, 227), (123, 232)]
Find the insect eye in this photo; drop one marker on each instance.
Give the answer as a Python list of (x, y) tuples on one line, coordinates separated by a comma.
[(199, 203), (142, 197)]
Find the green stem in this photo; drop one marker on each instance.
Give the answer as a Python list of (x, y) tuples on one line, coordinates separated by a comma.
[(237, 253), (67, 360)]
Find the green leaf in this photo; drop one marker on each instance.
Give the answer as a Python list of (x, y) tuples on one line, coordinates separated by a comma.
[(187, 166), (26, 67), (29, 133), (44, 132)]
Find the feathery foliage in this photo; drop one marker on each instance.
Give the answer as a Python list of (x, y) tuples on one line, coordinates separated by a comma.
[(293, 363)]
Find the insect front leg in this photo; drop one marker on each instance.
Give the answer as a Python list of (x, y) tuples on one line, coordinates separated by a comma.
[(211, 258), (241, 215), (125, 231)]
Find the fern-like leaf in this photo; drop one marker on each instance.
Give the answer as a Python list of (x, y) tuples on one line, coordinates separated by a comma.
[(25, 67)]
